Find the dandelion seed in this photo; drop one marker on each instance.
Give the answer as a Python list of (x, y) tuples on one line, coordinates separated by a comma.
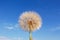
[(30, 21)]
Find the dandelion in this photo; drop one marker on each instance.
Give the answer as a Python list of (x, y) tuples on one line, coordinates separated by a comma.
[(30, 21)]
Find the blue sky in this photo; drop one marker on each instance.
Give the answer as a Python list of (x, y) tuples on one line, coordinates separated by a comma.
[(10, 10)]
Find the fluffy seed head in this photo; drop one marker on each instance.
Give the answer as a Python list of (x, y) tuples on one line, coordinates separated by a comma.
[(30, 21)]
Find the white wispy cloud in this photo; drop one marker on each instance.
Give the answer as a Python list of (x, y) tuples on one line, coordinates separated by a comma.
[(11, 26), (55, 29), (7, 38), (4, 38)]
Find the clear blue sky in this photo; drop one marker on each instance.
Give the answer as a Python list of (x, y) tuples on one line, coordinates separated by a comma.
[(11, 9)]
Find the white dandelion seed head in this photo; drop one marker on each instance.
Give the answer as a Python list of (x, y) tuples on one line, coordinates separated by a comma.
[(30, 21)]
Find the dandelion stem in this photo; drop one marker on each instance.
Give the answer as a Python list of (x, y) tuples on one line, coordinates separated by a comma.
[(30, 35)]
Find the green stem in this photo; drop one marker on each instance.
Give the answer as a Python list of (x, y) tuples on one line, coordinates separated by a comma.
[(30, 35)]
